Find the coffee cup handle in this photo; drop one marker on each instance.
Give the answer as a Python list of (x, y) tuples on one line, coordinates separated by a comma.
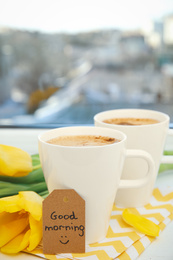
[(137, 183), (168, 158)]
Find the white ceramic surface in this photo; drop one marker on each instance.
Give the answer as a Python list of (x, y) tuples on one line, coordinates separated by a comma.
[(150, 138), (92, 171)]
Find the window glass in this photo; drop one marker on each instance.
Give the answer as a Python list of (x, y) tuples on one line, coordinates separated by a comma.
[(61, 62)]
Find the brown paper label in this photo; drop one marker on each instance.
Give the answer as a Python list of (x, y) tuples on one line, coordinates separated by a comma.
[(63, 222)]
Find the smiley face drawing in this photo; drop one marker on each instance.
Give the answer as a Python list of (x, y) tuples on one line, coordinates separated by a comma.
[(64, 240)]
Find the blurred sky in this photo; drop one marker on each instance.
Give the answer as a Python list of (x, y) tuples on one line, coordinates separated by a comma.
[(81, 15)]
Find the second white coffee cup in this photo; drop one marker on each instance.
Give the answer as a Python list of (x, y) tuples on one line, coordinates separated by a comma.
[(148, 137)]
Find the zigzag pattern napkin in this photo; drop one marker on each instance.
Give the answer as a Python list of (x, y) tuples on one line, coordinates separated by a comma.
[(122, 241)]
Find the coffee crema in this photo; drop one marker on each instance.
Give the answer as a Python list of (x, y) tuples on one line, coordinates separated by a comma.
[(131, 121), (82, 140)]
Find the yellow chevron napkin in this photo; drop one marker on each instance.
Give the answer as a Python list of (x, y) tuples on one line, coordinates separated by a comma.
[(122, 241)]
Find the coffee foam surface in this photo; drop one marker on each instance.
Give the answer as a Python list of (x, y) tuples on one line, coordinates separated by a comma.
[(131, 121), (82, 140)]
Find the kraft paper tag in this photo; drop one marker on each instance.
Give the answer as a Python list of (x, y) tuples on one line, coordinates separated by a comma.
[(63, 222)]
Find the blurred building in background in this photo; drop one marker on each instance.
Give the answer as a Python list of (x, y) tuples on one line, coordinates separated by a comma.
[(66, 78)]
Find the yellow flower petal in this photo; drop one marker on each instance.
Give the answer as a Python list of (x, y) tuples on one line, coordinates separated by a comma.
[(140, 223), (36, 233), (31, 202), (9, 204), (17, 244), (6, 217), (14, 161), (20, 222), (10, 229)]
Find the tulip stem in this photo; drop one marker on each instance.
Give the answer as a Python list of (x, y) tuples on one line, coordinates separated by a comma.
[(35, 167)]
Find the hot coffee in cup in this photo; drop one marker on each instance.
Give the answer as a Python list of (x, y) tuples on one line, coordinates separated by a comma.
[(130, 121), (146, 130), (82, 140), (92, 170)]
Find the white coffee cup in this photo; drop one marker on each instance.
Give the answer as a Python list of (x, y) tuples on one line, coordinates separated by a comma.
[(150, 138), (94, 172)]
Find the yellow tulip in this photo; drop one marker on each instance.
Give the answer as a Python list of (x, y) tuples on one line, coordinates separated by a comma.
[(14, 161), (20, 222), (140, 223)]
